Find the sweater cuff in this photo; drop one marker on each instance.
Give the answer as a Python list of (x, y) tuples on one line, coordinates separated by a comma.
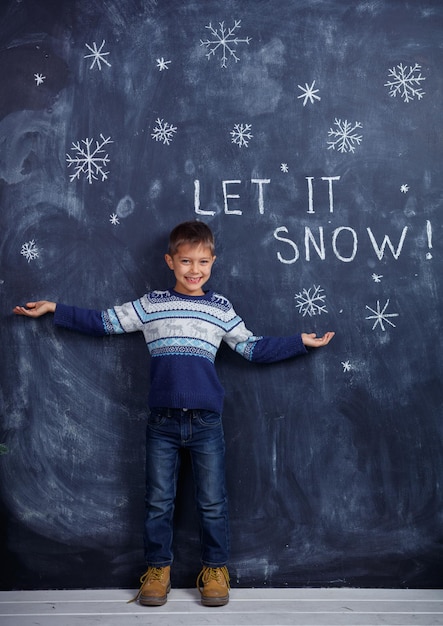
[(300, 346), (63, 315)]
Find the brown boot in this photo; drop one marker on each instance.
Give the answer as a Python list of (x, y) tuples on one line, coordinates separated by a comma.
[(213, 584), (155, 586)]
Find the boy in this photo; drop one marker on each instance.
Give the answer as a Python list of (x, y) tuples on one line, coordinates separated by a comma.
[(183, 328)]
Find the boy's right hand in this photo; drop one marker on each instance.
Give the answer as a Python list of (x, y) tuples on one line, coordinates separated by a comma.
[(35, 309)]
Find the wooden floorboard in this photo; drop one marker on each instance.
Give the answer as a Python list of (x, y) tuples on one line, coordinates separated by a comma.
[(247, 607)]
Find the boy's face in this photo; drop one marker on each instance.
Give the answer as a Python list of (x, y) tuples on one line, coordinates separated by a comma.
[(192, 267)]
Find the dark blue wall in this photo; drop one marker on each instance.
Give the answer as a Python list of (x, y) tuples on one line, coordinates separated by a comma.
[(327, 116)]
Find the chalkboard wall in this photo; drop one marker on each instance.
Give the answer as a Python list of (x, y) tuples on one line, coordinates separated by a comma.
[(309, 136)]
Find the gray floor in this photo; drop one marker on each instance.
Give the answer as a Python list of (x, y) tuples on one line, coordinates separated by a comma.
[(255, 607)]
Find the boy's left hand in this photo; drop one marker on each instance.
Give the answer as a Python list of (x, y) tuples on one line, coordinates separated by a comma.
[(310, 340)]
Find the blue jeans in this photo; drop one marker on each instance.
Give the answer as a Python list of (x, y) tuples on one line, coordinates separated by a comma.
[(201, 432)]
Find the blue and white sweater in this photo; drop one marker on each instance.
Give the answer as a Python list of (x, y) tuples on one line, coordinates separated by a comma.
[(183, 334)]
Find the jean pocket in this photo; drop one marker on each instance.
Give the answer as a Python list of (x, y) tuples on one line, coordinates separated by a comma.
[(156, 419), (210, 419)]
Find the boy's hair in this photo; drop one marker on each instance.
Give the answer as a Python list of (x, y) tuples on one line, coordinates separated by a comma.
[(194, 233)]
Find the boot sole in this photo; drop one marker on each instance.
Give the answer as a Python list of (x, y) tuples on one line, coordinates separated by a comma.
[(215, 601)]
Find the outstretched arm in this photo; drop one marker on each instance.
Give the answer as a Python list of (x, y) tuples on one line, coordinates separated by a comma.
[(35, 309), (310, 340)]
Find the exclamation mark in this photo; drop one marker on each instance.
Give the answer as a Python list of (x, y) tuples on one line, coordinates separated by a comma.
[(429, 235)]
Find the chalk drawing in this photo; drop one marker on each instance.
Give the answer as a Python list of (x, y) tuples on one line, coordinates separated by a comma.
[(311, 301), (344, 136), (30, 251), (163, 131), (113, 218), (224, 40), (162, 64), (429, 236), (284, 168), (346, 366), (377, 277), (39, 79), (406, 82), (89, 161), (404, 188), (241, 134), (98, 57), (380, 316), (309, 93)]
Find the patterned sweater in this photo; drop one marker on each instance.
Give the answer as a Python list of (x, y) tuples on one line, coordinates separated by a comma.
[(183, 334)]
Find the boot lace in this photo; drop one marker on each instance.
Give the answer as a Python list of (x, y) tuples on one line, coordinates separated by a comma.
[(219, 574), (152, 573)]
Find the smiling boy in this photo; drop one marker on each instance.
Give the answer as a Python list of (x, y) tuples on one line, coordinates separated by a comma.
[(183, 328)]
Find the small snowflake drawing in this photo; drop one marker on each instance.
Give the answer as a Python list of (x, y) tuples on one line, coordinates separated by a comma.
[(311, 301), (162, 64), (406, 82), (29, 250), (308, 93), (345, 137), (98, 57), (284, 168), (224, 39), (39, 79), (380, 316), (163, 131), (89, 160), (113, 218), (377, 277), (346, 366), (241, 134), (404, 188)]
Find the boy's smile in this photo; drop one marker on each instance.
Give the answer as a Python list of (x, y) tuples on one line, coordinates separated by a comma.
[(192, 267)]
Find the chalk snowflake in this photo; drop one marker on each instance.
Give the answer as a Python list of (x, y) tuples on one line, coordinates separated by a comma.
[(162, 64), (311, 301), (346, 366), (344, 137), (241, 134), (39, 79), (404, 188), (377, 277), (380, 316), (163, 131), (29, 250), (97, 55), (224, 39), (309, 93), (406, 82), (90, 159), (113, 218), (284, 168)]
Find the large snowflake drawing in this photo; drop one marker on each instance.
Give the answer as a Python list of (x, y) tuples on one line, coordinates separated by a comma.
[(224, 39), (344, 136), (98, 57), (311, 301), (90, 159), (29, 250), (406, 82), (163, 131), (380, 316), (241, 134)]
